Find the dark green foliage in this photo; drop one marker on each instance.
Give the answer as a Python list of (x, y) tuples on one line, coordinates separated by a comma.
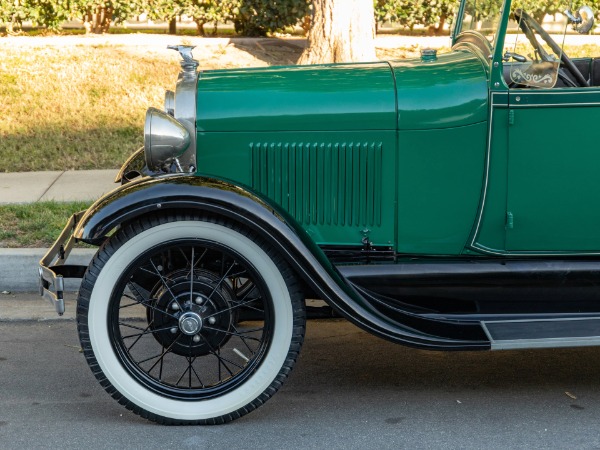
[(251, 17), (201, 11), (47, 13), (258, 17), (429, 13)]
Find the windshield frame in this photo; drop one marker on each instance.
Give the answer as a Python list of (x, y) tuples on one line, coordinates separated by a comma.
[(495, 59)]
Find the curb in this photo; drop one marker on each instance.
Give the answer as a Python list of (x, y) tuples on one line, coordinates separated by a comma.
[(19, 268)]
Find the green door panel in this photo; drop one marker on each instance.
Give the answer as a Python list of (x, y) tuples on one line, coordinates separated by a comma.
[(440, 175), (553, 171), (327, 97), (338, 185)]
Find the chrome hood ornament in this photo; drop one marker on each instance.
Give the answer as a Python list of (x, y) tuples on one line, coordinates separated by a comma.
[(188, 63)]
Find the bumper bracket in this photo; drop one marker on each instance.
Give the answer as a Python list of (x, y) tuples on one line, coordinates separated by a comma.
[(53, 270)]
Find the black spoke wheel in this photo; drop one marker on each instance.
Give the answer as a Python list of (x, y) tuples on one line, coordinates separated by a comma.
[(158, 319)]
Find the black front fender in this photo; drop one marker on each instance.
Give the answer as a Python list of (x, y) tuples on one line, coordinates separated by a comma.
[(188, 193)]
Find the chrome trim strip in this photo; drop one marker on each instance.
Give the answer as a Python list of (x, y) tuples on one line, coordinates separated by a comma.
[(557, 91), (546, 105), (564, 319), (475, 232), (546, 343), (515, 344), (185, 112)]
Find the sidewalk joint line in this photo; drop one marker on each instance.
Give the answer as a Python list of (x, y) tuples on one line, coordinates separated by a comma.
[(51, 184)]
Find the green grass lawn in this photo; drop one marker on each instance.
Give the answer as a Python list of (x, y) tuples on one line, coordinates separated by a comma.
[(75, 107), (36, 224)]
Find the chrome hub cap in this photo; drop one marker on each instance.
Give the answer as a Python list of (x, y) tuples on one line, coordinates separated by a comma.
[(190, 323)]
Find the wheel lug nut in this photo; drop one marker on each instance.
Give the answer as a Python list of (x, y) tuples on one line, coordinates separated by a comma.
[(212, 320), (175, 306), (199, 300), (174, 330), (196, 338)]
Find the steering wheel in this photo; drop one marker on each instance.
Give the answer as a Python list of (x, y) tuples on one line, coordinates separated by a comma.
[(528, 25)]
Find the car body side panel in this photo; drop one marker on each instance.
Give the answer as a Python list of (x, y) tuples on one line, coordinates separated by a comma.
[(326, 97), (439, 188), (338, 186), (449, 92)]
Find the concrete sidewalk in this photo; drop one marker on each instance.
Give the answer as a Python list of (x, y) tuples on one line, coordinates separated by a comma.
[(19, 267), (72, 185)]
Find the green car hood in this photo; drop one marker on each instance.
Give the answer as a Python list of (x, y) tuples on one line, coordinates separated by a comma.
[(332, 97), (448, 92)]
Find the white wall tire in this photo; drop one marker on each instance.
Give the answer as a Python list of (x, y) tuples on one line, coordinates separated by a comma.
[(115, 272)]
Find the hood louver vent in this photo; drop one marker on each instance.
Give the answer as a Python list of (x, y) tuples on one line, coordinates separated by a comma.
[(322, 183)]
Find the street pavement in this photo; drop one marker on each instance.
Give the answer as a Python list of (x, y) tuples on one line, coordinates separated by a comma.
[(349, 390)]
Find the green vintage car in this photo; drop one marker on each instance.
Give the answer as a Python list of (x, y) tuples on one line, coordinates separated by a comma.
[(447, 202)]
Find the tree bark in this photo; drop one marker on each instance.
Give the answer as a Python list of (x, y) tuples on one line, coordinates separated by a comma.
[(199, 27), (341, 31), (98, 20), (173, 26)]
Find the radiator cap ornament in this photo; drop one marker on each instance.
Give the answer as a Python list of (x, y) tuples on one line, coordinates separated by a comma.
[(188, 63)]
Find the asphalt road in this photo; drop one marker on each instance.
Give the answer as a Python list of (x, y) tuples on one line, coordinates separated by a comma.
[(349, 390)]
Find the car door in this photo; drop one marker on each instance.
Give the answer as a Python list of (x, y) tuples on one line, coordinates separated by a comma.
[(553, 199)]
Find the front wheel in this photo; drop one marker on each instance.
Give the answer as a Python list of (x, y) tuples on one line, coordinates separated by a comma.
[(157, 317)]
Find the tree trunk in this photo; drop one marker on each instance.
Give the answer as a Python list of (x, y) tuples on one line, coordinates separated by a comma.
[(173, 26), (199, 26), (341, 31), (98, 20)]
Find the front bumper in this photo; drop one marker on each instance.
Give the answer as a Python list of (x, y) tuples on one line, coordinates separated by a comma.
[(52, 267)]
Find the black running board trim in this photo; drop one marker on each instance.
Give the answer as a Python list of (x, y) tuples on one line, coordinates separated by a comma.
[(543, 333)]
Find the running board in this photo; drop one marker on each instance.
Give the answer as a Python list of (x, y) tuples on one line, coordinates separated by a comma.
[(543, 333)]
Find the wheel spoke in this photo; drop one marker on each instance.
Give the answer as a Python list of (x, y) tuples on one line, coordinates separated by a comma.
[(196, 373), (218, 285), (164, 282), (252, 307), (187, 263), (182, 375), (220, 358), (161, 355), (123, 324), (192, 277), (199, 259), (139, 337), (231, 333), (146, 302), (160, 370), (243, 338), (231, 308), (145, 332)]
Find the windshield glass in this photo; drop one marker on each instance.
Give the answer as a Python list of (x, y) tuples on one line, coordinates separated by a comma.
[(533, 47), (482, 16)]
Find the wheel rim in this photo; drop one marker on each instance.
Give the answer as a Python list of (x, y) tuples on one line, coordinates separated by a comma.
[(172, 319)]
